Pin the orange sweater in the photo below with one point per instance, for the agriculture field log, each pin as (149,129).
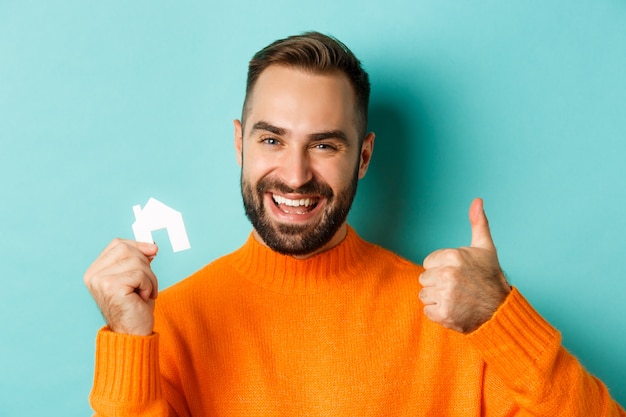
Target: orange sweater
(256,333)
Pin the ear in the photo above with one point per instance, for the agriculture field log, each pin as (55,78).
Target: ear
(238,141)
(366,153)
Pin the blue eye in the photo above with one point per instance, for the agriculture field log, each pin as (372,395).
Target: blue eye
(270,141)
(324,146)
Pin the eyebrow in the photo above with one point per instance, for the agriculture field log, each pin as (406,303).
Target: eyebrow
(329,134)
(269,128)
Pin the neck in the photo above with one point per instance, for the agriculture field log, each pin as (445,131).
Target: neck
(334,241)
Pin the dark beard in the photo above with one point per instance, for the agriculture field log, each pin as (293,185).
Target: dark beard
(298,239)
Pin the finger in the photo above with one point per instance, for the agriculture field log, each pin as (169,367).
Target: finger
(481,234)
(147,287)
(127,283)
(427,279)
(427,296)
(147,249)
(435,259)
(432,313)
(443,258)
(139,269)
(120,249)
(130,271)
(429,261)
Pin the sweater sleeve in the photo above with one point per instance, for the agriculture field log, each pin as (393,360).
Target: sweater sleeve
(126,379)
(525,352)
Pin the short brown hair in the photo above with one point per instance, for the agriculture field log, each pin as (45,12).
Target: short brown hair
(318,53)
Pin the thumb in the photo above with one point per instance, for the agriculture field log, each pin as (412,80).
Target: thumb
(148,249)
(481,234)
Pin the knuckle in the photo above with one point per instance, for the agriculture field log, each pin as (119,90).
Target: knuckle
(448,275)
(429,260)
(452,256)
(138,276)
(108,284)
(434,258)
(119,247)
(87,279)
(131,262)
(116,246)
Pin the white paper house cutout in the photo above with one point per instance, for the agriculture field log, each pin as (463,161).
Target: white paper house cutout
(155,216)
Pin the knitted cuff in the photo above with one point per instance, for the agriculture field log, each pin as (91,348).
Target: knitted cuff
(127,368)
(517,341)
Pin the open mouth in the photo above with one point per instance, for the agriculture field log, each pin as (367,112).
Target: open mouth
(295,206)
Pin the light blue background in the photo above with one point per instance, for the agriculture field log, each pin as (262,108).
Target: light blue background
(104,104)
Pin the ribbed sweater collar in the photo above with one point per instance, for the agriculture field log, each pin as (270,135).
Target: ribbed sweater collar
(286,274)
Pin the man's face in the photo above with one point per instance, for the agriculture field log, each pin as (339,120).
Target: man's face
(300,158)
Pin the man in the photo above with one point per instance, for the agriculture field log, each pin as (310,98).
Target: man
(308,319)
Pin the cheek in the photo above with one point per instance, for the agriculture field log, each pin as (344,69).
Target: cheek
(255,166)
(338,176)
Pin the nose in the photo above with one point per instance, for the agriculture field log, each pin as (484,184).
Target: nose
(295,168)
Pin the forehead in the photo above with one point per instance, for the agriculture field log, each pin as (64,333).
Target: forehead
(302,101)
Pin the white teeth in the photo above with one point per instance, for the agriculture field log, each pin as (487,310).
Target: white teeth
(306,202)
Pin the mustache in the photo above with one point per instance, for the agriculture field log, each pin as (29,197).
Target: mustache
(311,187)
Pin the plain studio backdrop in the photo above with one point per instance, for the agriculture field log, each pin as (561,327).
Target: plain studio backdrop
(104,104)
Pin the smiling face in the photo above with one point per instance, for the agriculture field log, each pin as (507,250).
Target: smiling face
(301,159)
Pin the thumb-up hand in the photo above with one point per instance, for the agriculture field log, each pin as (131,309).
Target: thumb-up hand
(462,288)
